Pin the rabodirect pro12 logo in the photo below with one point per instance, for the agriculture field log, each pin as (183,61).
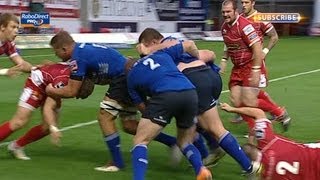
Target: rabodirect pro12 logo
(35,20)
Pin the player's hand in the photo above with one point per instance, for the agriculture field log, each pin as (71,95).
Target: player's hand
(255,78)
(226,107)
(15,71)
(55,138)
(49,89)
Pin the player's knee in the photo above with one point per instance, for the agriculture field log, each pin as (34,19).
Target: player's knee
(130,126)
(141,139)
(18,123)
(111,107)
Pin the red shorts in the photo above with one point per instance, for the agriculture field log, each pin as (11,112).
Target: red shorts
(240,76)
(32,96)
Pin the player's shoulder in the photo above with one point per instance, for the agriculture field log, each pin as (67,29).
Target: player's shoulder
(243,21)
(7,44)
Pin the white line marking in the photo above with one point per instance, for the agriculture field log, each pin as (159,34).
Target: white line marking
(95,121)
(38,55)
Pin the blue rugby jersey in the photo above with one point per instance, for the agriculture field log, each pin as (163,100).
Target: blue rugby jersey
(187,58)
(157,73)
(96,61)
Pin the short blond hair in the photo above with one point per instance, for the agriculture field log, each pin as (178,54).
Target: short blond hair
(5,18)
(61,39)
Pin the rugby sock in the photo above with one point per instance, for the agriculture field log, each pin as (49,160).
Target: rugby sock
(193,156)
(166,139)
(250,121)
(5,130)
(200,145)
(211,142)
(230,145)
(32,135)
(113,143)
(139,159)
(267,104)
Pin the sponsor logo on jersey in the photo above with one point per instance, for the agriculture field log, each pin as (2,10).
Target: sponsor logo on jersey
(248,29)
(252,36)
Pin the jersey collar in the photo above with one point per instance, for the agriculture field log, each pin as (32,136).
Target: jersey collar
(254,13)
(235,21)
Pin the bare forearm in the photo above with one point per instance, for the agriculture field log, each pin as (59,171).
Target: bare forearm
(206,55)
(61,93)
(257,54)
(272,42)
(50,116)
(252,112)
(50,111)
(191,48)
(273,38)
(26,66)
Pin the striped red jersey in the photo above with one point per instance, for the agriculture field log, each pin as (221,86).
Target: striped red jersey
(261,27)
(238,38)
(8,48)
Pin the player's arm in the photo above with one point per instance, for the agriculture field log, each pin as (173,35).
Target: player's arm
(249,111)
(142,49)
(256,64)
(224,60)
(206,55)
(24,65)
(69,91)
(191,48)
(273,39)
(137,98)
(50,115)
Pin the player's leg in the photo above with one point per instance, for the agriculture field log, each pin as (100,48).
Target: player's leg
(235,99)
(146,131)
(129,120)
(215,151)
(129,123)
(207,83)
(34,134)
(211,122)
(184,140)
(109,110)
(263,101)
(280,114)
(112,104)
(249,98)
(19,120)
(184,107)
(200,145)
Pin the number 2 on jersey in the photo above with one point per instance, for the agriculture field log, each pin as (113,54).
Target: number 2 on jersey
(283,166)
(151,63)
